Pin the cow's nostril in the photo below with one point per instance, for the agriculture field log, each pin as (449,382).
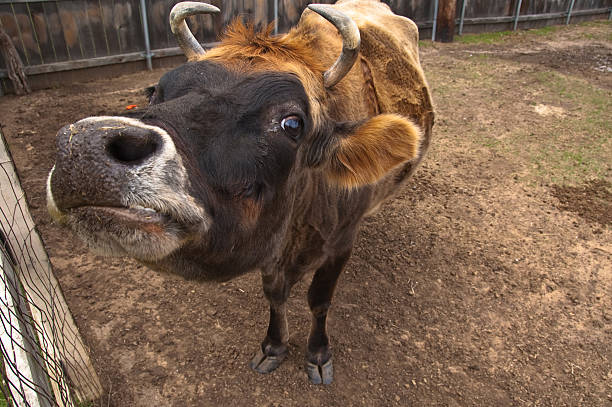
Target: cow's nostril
(132,147)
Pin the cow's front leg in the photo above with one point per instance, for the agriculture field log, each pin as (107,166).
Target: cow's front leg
(274,346)
(318,357)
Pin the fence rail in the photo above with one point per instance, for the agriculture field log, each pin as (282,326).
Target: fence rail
(58,35)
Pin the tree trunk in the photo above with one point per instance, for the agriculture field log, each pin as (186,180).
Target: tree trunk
(447,11)
(13,64)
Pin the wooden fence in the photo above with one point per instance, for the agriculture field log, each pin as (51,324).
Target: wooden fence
(58,35)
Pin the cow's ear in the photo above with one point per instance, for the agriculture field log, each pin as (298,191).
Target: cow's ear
(363,153)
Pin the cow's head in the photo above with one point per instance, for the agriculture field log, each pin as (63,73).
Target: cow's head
(204,180)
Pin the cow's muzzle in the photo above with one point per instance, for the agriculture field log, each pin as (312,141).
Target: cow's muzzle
(121,185)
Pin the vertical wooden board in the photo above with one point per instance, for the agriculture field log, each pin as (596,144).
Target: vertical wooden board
(546,6)
(228,11)
(217,20)
(289,12)
(263,12)
(591,4)
(56,35)
(206,32)
(159,26)
(43,32)
(95,26)
(26,35)
(133,31)
(119,20)
(10,26)
(209,34)
(69,21)
(248,12)
(447,11)
(487,8)
(104,19)
(124,24)
(418,11)
(108,17)
(256,13)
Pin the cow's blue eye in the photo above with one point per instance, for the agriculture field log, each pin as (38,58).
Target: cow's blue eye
(291,123)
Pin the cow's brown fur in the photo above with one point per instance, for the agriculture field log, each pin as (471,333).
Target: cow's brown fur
(387,79)
(387,94)
(355,144)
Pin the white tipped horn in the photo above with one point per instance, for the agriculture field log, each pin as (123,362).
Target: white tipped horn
(188,43)
(351,40)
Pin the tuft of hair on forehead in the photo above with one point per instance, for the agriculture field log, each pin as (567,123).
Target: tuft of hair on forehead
(242,41)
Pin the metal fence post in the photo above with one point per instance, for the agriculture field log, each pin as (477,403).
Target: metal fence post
(569,12)
(462,17)
(435,21)
(275,17)
(145,28)
(517,14)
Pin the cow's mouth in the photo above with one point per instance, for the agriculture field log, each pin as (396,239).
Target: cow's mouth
(137,217)
(140,232)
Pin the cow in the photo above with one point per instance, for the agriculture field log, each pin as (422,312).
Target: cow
(262,154)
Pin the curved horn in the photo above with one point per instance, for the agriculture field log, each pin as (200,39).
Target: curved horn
(351,40)
(190,46)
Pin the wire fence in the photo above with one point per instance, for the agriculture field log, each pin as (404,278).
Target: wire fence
(44,361)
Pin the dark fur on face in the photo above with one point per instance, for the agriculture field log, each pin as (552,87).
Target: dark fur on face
(228,128)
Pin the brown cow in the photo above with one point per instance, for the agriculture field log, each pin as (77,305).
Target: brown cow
(256,156)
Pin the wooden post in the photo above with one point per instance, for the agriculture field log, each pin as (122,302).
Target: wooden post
(445,30)
(13,64)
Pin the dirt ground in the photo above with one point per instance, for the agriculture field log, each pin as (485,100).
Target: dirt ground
(487,281)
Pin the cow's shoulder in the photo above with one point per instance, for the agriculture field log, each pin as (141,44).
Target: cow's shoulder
(376,18)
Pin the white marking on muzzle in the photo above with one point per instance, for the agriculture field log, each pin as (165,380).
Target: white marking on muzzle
(54,211)
(161,182)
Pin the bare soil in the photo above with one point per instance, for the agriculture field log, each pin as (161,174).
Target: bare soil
(487,281)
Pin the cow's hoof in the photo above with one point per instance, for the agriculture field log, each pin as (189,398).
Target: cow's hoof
(263,363)
(320,373)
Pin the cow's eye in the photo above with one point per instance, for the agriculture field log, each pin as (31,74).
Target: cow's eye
(291,122)
(292,125)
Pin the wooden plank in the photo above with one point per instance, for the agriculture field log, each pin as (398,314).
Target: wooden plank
(447,13)
(533,17)
(45,41)
(30,1)
(68,17)
(55,30)
(101,61)
(92,28)
(15,69)
(43,291)
(14,23)
(262,12)
(159,27)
